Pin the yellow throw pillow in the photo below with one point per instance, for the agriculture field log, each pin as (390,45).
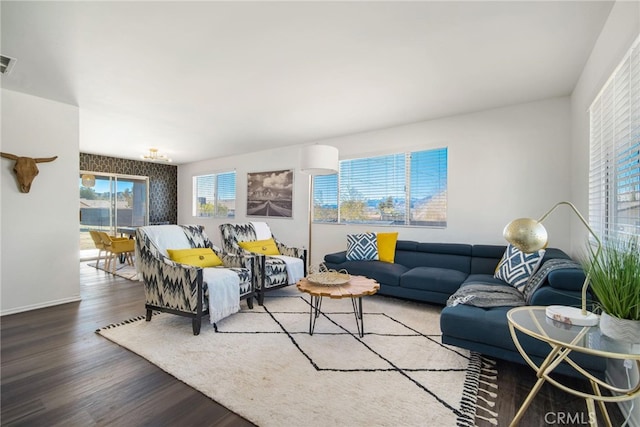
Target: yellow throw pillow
(198,257)
(387,246)
(266,247)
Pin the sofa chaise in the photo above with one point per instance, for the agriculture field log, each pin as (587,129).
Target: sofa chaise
(432,272)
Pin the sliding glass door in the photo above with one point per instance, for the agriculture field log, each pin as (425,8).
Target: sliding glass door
(113,203)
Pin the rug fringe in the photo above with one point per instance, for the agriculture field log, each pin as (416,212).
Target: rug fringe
(490,412)
(480,371)
(124,322)
(488,376)
(490,393)
(489,384)
(493,421)
(488,402)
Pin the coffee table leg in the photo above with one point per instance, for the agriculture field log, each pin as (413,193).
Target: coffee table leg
(357,311)
(314,312)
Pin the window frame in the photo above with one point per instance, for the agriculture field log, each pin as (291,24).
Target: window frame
(214,200)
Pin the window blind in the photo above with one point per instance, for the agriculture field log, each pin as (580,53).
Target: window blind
(325,198)
(428,187)
(614,167)
(214,195)
(226,195)
(372,190)
(395,189)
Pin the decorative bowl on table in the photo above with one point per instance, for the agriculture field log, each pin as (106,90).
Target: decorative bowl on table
(329,278)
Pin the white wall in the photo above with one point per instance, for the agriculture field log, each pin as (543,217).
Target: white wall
(503,164)
(620,30)
(39,255)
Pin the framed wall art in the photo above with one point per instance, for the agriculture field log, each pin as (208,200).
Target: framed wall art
(270,194)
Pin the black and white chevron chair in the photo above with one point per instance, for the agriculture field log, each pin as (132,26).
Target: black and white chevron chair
(272,271)
(178,288)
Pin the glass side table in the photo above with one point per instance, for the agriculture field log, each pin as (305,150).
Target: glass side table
(563,339)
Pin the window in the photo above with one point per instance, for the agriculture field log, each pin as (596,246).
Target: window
(396,189)
(614,170)
(215,195)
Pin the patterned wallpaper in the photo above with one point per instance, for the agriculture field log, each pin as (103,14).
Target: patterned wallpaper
(163,182)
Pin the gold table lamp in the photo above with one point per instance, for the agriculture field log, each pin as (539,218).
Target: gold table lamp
(529,235)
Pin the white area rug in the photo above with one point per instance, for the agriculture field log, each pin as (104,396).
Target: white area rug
(264,365)
(122,269)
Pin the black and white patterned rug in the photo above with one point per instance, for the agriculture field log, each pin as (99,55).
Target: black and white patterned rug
(264,365)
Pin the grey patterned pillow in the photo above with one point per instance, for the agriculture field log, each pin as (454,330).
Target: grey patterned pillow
(516,267)
(362,247)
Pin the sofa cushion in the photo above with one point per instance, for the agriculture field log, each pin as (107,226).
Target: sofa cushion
(440,255)
(490,327)
(570,279)
(516,266)
(362,247)
(477,324)
(336,258)
(382,272)
(487,279)
(485,258)
(433,279)
(547,295)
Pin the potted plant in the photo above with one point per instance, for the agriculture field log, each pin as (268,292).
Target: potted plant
(615,281)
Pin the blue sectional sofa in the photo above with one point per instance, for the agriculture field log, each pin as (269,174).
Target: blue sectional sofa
(432,272)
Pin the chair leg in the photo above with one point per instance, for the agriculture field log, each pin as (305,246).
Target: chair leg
(261,297)
(250,302)
(149,313)
(196,323)
(99,257)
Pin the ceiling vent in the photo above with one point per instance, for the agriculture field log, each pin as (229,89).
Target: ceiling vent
(6,64)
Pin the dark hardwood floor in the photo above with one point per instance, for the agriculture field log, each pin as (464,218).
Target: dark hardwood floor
(56,371)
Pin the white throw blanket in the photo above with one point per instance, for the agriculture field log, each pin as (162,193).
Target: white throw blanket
(295,268)
(224,292)
(167,237)
(163,237)
(263,232)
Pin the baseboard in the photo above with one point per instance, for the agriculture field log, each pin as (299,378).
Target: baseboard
(40,305)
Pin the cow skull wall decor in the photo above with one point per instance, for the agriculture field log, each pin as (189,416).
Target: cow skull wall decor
(26,169)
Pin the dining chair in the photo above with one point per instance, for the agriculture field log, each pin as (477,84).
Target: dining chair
(99,244)
(115,246)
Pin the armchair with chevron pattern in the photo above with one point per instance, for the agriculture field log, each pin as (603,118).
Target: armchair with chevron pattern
(278,265)
(184,273)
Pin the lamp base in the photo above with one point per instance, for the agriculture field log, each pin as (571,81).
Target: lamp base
(571,315)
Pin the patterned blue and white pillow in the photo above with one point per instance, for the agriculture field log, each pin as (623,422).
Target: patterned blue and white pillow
(516,267)
(362,247)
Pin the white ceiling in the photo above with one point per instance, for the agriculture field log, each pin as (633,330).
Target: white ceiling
(208,79)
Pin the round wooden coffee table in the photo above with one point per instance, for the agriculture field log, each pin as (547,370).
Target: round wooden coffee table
(356,288)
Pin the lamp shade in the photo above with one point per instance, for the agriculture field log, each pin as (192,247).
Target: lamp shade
(526,234)
(319,160)
(88,180)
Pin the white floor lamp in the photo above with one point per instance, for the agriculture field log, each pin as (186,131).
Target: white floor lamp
(317,160)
